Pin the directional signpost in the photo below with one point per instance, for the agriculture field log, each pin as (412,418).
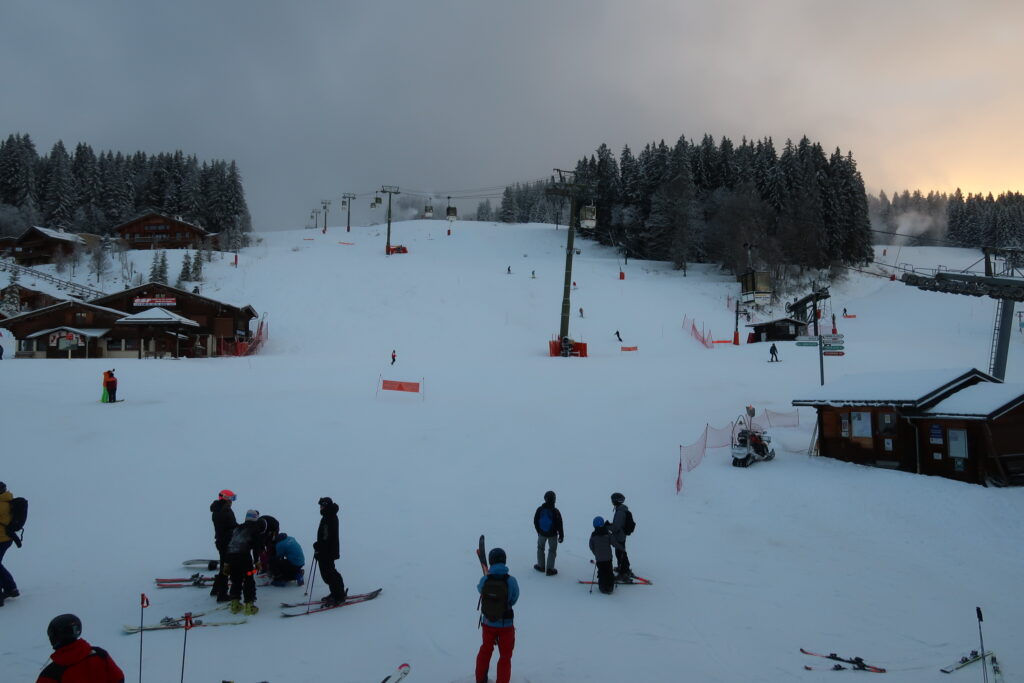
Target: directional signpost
(828,345)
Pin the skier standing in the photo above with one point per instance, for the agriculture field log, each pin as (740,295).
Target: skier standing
(601,546)
(775,354)
(394,356)
(618,336)
(499,591)
(110,386)
(547,520)
(327,549)
(243,554)
(618,536)
(224,524)
(74,659)
(8,589)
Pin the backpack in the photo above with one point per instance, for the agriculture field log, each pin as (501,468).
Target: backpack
(629,526)
(546,521)
(494,597)
(19,514)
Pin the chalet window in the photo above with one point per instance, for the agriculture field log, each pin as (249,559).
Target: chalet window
(844,425)
(861,425)
(81,317)
(156,228)
(887,424)
(958,448)
(115,344)
(131,344)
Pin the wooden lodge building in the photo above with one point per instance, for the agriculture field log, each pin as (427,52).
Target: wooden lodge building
(959,424)
(157,231)
(151,320)
(28,299)
(38,245)
(781,329)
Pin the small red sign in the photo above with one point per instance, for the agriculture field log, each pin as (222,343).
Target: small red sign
(833,353)
(70,336)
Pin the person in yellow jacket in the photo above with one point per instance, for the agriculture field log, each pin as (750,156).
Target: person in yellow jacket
(8,589)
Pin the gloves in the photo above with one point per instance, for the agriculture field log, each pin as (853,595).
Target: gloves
(561,538)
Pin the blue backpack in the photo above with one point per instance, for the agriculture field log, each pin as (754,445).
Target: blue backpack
(547,520)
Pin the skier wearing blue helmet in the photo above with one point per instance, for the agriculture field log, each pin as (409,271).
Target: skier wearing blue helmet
(601,546)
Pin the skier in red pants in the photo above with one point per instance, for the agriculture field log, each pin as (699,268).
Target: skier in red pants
(499,591)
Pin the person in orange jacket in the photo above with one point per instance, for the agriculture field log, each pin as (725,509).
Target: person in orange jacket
(110,385)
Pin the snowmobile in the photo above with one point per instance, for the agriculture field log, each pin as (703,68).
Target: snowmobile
(750,443)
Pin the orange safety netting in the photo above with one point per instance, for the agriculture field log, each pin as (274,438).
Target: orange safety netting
(392,385)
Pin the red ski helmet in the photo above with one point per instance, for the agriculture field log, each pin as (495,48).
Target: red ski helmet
(226,494)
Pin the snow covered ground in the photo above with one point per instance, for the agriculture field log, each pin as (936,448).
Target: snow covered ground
(748,565)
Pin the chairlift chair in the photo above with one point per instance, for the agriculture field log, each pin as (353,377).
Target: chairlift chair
(428,211)
(452,213)
(588,216)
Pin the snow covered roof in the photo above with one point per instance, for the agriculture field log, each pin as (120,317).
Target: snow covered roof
(915,388)
(59,234)
(68,302)
(84,331)
(156,316)
(984,400)
(779,320)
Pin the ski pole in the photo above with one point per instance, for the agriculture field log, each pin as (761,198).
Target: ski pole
(311,581)
(984,664)
(145,603)
(591,591)
(312,578)
(184,643)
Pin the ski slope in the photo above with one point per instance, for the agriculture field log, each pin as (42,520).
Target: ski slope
(748,565)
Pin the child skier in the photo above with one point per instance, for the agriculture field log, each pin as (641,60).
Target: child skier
(601,546)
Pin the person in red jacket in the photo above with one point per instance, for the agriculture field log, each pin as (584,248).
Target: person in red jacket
(110,384)
(74,660)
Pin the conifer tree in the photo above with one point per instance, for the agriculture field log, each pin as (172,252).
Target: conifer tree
(197,268)
(186,270)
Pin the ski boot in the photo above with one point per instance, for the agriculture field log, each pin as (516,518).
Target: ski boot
(236,606)
(250,609)
(300,578)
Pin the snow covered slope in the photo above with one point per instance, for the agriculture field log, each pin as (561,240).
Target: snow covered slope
(748,565)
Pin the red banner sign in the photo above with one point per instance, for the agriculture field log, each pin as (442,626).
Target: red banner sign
(629,348)
(391,385)
(155,301)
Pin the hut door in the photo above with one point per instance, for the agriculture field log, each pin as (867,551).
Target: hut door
(958,448)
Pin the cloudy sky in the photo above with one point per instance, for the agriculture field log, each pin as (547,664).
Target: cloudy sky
(317,98)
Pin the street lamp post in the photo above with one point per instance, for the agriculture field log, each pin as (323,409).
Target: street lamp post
(326,203)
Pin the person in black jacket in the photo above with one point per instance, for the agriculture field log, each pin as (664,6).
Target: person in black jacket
(547,520)
(244,550)
(326,550)
(223,524)
(601,546)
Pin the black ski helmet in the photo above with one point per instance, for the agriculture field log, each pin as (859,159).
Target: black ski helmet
(64,629)
(618,498)
(496,556)
(549,497)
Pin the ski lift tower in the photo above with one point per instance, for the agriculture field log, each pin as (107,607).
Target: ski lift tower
(390,190)
(566,186)
(1007,288)
(346,203)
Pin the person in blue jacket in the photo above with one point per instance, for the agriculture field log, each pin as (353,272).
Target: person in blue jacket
(287,563)
(499,591)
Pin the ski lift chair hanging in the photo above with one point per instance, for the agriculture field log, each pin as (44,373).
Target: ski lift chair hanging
(588,216)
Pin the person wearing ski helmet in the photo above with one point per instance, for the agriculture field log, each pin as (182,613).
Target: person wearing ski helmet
(74,660)
(244,548)
(618,533)
(498,628)
(224,524)
(547,521)
(601,546)
(327,549)
(287,561)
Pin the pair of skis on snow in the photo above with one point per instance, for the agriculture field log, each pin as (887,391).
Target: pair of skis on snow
(974,656)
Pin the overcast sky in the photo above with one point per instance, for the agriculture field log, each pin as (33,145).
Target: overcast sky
(314,99)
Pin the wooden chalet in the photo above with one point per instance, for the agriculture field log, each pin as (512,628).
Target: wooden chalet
(69,329)
(781,329)
(38,245)
(29,299)
(219,330)
(7,245)
(959,424)
(157,231)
